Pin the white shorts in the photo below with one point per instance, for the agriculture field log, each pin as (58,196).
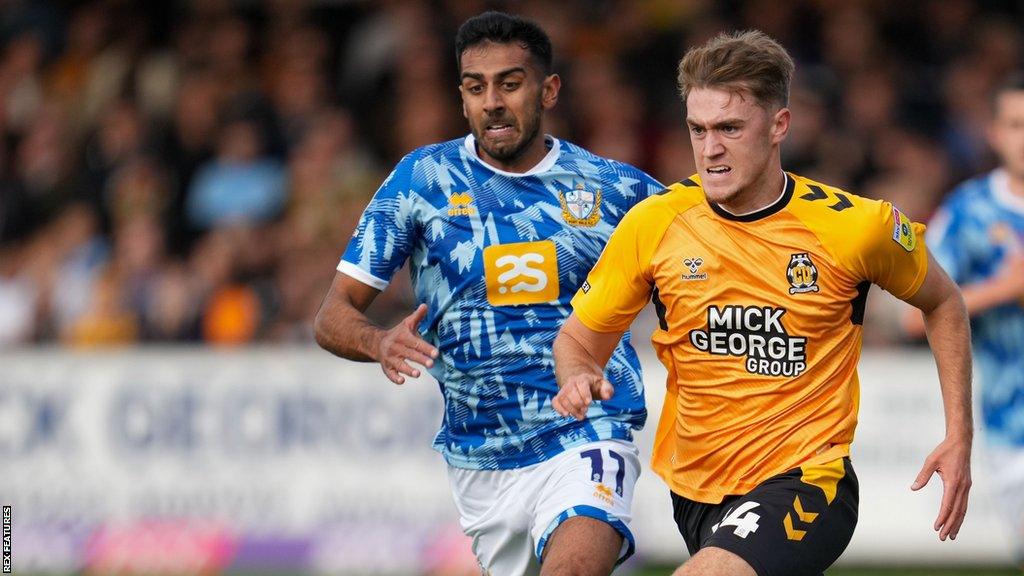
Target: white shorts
(1005,466)
(510,514)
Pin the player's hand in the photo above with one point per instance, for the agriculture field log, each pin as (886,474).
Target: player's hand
(952,461)
(401,345)
(577,392)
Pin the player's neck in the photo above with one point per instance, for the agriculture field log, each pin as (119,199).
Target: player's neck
(761,194)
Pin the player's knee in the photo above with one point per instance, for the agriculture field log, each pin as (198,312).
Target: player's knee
(715,562)
(582,546)
(578,566)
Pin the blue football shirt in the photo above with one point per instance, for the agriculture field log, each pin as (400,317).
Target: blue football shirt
(975,229)
(497,257)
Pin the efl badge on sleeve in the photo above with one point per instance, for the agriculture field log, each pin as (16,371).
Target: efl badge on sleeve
(802,274)
(902,231)
(581,207)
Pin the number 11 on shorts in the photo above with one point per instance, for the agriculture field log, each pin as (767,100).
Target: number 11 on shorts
(597,466)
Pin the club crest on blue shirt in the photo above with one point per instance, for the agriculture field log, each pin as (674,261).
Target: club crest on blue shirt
(581,207)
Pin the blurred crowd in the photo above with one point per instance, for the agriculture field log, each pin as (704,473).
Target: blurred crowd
(192,171)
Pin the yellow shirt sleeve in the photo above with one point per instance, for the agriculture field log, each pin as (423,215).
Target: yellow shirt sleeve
(620,284)
(894,255)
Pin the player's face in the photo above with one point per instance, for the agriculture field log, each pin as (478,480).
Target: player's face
(1007,132)
(735,140)
(504,95)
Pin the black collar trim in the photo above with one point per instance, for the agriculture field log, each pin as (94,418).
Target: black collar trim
(765,212)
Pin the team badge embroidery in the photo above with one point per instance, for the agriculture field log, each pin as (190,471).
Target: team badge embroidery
(902,232)
(694,265)
(581,207)
(802,274)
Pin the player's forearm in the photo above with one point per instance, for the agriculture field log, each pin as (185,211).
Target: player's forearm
(572,358)
(346,332)
(949,335)
(988,294)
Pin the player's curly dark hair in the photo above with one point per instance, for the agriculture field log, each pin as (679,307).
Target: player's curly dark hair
(503,29)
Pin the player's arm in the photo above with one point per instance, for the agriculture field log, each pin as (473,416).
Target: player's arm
(343,329)
(616,290)
(948,330)
(580,357)
(1005,287)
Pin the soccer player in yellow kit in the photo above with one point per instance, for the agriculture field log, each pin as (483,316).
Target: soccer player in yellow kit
(759,278)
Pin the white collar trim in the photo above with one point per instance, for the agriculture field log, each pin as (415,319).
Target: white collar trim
(1000,182)
(785,184)
(543,166)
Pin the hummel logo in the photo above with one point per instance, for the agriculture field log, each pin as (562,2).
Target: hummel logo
(694,264)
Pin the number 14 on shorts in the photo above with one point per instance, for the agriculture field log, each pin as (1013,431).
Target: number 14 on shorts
(742,518)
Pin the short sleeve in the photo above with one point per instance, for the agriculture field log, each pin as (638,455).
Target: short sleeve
(895,256)
(620,284)
(386,232)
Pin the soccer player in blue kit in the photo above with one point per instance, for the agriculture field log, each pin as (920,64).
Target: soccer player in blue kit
(500,229)
(978,237)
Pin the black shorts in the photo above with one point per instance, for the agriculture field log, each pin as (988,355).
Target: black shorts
(793,524)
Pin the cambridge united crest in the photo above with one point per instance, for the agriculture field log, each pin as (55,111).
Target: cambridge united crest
(802,274)
(581,207)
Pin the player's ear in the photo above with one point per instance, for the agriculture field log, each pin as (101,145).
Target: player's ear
(780,125)
(549,96)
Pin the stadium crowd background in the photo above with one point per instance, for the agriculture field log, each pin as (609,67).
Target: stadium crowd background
(192,171)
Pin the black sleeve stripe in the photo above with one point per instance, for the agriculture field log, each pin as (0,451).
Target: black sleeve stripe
(858,303)
(659,308)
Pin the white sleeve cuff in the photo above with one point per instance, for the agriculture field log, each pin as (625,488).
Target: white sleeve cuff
(349,269)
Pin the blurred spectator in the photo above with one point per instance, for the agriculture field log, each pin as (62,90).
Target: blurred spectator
(20,83)
(77,256)
(241,185)
(172,312)
(18,295)
(105,320)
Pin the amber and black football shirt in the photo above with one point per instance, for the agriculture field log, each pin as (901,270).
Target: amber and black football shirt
(759,323)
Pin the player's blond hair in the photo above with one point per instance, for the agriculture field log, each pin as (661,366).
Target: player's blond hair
(748,61)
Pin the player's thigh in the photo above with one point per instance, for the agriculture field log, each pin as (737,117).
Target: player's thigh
(793,524)
(713,561)
(582,546)
(594,481)
(1004,467)
(493,508)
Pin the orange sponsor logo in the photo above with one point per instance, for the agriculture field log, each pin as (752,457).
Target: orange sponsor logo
(521,273)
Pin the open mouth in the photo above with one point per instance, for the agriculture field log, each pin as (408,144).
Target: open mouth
(718,170)
(499,129)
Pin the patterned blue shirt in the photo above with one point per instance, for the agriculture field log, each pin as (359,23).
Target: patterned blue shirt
(973,232)
(497,257)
